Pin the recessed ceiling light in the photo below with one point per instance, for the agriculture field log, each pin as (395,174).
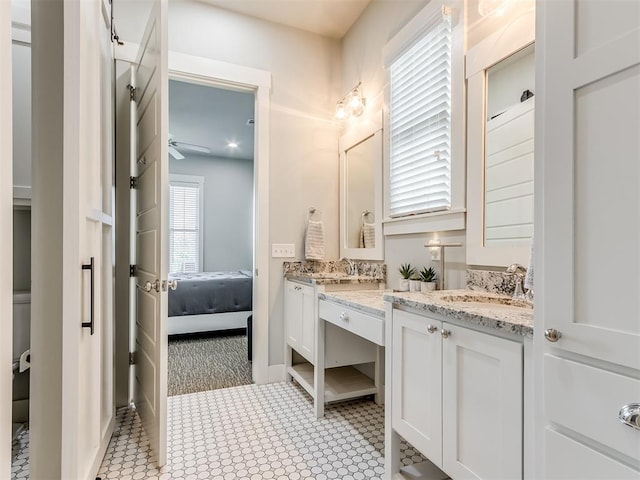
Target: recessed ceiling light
(232,145)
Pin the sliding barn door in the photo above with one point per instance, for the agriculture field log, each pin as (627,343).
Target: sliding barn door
(6,237)
(151,238)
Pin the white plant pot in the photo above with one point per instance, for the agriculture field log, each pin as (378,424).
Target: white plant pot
(414,285)
(426,287)
(403,285)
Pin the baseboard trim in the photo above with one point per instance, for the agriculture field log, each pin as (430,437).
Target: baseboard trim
(277,373)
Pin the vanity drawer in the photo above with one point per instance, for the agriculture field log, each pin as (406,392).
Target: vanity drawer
(361,324)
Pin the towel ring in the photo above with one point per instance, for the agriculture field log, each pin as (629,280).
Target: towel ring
(365,214)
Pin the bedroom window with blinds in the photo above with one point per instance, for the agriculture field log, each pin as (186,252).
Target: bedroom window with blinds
(420,122)
(185,223)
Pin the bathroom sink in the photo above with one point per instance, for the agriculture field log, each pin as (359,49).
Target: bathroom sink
(487,300)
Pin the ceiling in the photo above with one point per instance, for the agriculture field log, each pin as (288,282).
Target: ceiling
(211,117)
(330,18)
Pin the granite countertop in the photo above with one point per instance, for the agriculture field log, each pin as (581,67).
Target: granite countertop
(330,278)
(365,301)
(484,309)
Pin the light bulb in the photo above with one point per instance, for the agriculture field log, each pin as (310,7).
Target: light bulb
(356,104)
(341,112)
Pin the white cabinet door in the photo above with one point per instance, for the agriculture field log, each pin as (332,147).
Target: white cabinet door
(417,382)
(481,405)
(588,102)
(299,312)
(292,311)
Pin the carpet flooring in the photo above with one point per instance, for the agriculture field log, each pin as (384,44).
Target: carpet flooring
(207,362)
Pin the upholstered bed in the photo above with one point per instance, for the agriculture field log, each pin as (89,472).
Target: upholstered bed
(209,301)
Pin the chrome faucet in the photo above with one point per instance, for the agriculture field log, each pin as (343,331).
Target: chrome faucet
(517,270)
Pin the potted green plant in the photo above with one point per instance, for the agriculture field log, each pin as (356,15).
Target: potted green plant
(406,271)
(428,279)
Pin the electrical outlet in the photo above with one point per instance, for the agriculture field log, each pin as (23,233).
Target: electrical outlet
(283,250)
(435,254)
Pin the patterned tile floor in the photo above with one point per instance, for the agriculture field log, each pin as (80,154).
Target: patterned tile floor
(20,456)
(255,432)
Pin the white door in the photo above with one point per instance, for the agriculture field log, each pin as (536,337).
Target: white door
(588,229)
(152,193)
(95,408)
(6,238)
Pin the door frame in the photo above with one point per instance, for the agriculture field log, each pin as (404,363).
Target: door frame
(206,71)
(214,73)
(6,238)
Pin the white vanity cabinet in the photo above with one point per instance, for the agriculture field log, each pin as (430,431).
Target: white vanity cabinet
(457,396)
(299,314)
(334,337)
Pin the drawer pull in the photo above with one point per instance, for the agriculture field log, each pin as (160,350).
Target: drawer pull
(445,333)
(630,415)
(344,316)
(431,328)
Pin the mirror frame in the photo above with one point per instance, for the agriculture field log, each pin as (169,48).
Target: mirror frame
(496,47)
(365,128)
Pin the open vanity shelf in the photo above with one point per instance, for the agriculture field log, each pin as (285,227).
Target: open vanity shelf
(325,341)
(340,383)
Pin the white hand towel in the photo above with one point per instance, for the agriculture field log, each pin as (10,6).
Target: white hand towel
(314,241)
(528,279)
(369,234)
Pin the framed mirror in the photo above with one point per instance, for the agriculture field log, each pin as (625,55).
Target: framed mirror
(361,190)
(500,139)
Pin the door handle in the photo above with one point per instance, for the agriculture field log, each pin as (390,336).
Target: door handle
(172,284)
(91,267)
(148,286)
(630,415)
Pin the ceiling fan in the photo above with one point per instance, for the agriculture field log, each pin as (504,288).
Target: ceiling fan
(174,145)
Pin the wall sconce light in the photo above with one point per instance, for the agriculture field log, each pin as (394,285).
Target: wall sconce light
(492,7)
(352,104)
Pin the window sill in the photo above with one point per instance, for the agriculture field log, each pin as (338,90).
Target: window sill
(450,220)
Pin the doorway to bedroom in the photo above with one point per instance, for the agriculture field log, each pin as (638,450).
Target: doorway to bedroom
(211,236)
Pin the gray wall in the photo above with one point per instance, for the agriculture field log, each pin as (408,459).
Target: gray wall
(228,209)
(21,249)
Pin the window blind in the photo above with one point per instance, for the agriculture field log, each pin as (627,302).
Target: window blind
(184,227)
(420,123)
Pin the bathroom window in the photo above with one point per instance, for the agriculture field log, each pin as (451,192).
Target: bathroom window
(426,117)
(185,223)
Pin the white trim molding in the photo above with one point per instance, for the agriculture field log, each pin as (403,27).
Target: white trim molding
(213,72)
(453,218)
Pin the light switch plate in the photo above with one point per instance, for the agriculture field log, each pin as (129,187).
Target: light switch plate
(283,250)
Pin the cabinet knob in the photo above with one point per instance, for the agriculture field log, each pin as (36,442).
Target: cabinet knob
(445,333)
(552,335)
(344,316)
(630,415)
(431,328)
